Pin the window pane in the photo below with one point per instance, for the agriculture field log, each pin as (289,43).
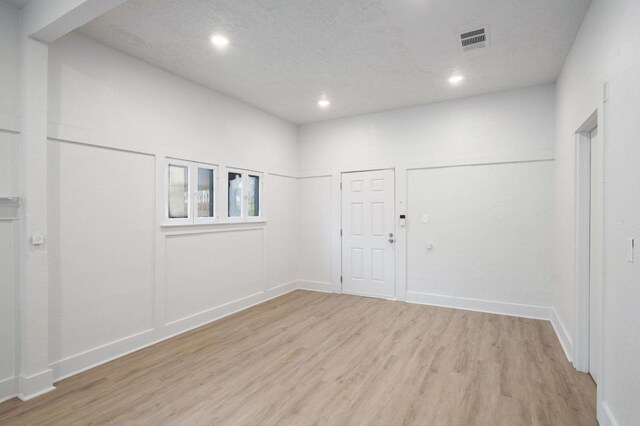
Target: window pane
(253,195)
(235,194)
(178,191)
(205,193)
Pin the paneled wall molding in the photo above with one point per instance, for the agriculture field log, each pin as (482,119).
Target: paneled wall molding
(105,353)
(121,142)
(215,313)
(435,163)
(401,190)
(68,134)
(9,123)
(85,137)
(290,176)
(217,303)
(107,147)
(88,359)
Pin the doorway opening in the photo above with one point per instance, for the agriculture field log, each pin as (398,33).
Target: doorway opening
(589,246)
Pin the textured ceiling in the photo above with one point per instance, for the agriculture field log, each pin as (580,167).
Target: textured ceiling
(365,55)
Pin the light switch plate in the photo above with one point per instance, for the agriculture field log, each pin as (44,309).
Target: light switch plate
(424,218)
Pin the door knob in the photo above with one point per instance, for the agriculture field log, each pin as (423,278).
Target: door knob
(391,240)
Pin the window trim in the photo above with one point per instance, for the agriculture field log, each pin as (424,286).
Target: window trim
(216,216)
(192,188)
(244,215)
(260,181)
(243,209)
(172,162)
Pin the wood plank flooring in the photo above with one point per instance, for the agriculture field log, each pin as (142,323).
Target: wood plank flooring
(312,358)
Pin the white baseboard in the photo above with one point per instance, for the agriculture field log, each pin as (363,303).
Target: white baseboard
(8,388)
(320,286)
(94,357)
(605,416)
(100,355)
(478,305)
(563,335)
(35,385)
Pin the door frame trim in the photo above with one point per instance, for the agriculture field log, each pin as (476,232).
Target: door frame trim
(395,231)
(582,242)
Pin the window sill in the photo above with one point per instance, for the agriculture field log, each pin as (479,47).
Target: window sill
(213,224)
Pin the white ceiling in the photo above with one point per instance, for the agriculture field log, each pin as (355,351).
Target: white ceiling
(365,55)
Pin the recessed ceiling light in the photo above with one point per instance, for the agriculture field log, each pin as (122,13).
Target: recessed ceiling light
(456,79)
(219,40)
(324,103)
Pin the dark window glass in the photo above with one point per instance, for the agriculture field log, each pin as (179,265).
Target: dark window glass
(205,194)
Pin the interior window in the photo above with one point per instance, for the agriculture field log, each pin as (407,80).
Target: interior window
(253,196)
(235,194)
(178,192)
(205,196)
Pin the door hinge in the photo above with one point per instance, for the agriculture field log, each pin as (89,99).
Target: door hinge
(341,232)
(340,279)
(340,186)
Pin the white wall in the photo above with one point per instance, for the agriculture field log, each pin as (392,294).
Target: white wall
(9,187)
(489,228)
(8,367)
(605,50)
(9,155)
(509,125)
(314,255)
(283,206)
(101,246)
(118,279)
(9,66)
(498,150)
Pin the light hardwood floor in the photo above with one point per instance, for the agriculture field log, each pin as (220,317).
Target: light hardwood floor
(313,358)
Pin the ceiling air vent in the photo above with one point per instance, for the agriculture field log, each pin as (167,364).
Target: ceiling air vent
(473,39)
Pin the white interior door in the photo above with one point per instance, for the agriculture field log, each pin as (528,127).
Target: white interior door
(595,254)
(368,233)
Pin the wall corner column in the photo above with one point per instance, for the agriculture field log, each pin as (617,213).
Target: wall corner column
(36,377)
